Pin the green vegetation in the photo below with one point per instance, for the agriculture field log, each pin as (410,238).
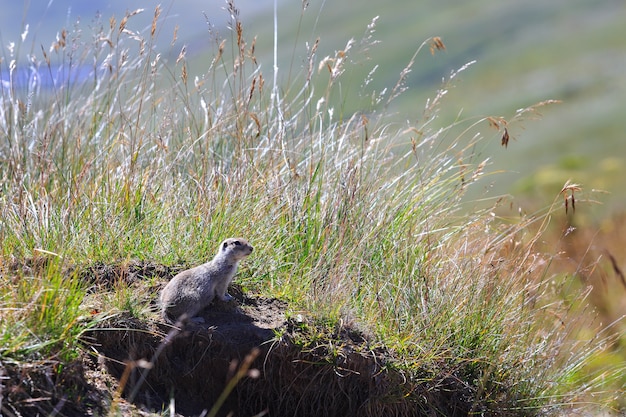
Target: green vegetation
(353,217)
(524,52)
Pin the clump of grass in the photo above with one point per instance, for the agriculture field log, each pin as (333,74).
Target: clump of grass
(40,311)
(352,216)
(590,254)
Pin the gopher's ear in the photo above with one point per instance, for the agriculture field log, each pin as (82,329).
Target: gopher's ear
(225,245)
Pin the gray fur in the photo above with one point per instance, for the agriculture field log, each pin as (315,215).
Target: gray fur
(193,289)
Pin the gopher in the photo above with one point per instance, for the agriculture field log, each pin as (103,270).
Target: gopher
(193,289)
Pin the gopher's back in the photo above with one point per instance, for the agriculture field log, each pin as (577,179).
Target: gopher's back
(185,292)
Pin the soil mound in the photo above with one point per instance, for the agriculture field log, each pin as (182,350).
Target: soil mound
(246,359)
(191,368)
(158,365)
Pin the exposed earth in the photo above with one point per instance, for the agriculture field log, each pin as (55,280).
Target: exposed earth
(247,359)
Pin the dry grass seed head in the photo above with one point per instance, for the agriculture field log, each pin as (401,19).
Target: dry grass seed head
(496,122)
(157,13)
(571,189)
(505,138)
(436,44)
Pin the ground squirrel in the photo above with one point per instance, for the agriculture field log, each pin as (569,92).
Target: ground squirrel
(193,289)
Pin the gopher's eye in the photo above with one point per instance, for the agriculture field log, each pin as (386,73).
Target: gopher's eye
(237,243)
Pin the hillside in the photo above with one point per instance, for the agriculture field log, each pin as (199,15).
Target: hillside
(525,51)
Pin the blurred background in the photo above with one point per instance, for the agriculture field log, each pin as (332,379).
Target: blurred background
(525,52)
